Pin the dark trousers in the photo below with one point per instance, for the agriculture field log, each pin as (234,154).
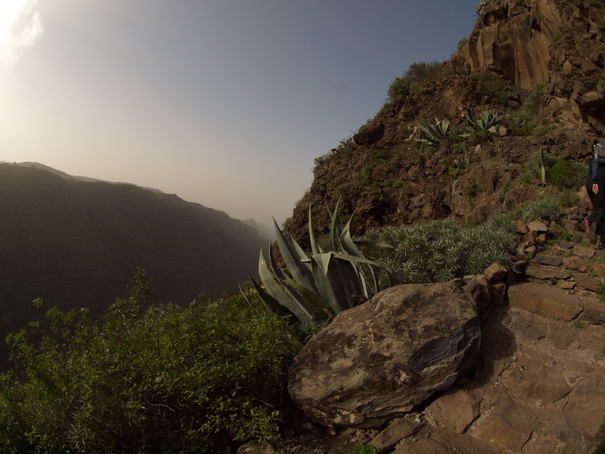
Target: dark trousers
(598,202)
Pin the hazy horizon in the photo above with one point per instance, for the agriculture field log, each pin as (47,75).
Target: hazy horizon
(225,103)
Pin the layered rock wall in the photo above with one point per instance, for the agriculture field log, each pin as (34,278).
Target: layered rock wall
(514,38)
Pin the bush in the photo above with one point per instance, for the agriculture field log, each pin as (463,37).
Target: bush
(166,379)
(544,209)
(535,162)
(440,251)
(420,74)
(399,90)
(567,175)
(569,198)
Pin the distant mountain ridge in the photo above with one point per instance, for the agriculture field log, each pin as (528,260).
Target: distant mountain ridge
(74,243)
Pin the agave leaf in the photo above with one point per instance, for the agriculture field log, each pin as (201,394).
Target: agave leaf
(296,291)
(315,249)
(346,281)
(320,311)
(291,253)
(334,230)
(323,260)
(277,271)
(333,296)
(272,302)
(347,241)
(286,299)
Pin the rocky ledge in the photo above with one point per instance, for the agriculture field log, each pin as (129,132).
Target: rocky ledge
(519,366)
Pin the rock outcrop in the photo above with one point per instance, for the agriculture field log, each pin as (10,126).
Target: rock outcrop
(514,39)
(378,360)
(536,384)
(558,44)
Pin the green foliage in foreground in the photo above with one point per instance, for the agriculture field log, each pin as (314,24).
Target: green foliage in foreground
(165,379)
(439,251)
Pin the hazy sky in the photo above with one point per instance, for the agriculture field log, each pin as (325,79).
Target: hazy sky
(224,102)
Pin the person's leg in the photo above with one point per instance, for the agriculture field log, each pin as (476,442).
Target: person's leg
(599,213)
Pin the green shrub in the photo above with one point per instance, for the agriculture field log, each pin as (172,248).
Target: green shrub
(422,73)
(544,209)
(439,250)
(399,90)
(494,89)
(165,379)
(567,175)
(535,162)
(569,198)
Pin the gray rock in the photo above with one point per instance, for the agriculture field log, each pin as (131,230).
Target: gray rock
(378,360)
(546,272)
(548,260)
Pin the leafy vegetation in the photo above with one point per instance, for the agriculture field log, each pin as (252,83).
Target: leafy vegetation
(439,251)
(164,379)
(399,90)
(363,449)
(567,175)
(314,288)
(435,133)
(422,73)
(481,128)
(476,129)
(547,209)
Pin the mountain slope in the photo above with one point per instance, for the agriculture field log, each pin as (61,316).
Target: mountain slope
(539,65)
(74,243)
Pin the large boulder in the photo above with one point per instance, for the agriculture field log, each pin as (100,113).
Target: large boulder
(378,360)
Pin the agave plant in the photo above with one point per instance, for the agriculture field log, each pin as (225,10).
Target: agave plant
(315,287)
(434,133)
(483,126)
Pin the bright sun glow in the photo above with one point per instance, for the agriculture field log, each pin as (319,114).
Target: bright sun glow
(20,28)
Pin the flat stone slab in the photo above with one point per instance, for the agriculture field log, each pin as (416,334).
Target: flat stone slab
(543,272)
(455,410)
(548,260)
(545,300)
(588,282)
(584,252)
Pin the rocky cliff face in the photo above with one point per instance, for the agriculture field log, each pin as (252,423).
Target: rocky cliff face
(514,38)
(559,44)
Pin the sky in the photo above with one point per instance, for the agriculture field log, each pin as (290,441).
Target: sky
(225,103)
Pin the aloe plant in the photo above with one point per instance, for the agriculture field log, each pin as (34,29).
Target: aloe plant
(315,287)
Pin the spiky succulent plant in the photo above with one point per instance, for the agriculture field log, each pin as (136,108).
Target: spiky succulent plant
(314,287)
